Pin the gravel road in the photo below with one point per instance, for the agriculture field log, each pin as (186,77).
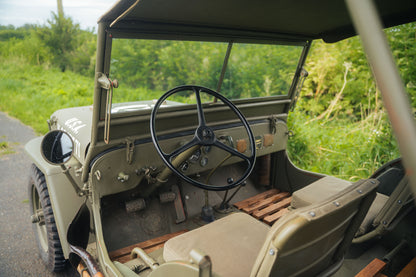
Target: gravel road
(18,249)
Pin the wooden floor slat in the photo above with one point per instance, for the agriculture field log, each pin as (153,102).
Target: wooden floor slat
(252,200)
(268,206)
(266,202)
(372,269)
(273,208)
(123,255)
(270,219)
(409,270)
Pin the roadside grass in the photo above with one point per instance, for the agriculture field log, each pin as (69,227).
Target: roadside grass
(5,148)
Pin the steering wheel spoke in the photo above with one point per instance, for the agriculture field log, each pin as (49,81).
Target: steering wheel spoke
(181,149)
(201,116)
(232,151)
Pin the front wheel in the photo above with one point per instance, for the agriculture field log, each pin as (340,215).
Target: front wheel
(46,233)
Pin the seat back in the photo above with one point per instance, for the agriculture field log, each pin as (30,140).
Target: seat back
(313,240)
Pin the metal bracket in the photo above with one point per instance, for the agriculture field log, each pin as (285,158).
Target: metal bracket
(52,122)
(129,150)
(227,139)
(273,123)
(203,261)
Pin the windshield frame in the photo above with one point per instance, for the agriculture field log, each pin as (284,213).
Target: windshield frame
(122,34)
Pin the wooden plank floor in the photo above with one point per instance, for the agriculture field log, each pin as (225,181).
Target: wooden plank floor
(409,270)
(268,206)
(373,269)
(123,255)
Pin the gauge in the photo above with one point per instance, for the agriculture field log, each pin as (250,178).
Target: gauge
(206,149)
(195,156)
(184,166)
(204,161)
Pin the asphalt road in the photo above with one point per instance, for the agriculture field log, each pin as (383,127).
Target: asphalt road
(18,249)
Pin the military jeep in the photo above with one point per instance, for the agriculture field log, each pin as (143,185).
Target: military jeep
(197,181)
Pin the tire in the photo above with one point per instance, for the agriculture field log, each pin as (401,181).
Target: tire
(46,233)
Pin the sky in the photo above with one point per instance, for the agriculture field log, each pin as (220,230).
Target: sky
(84,12)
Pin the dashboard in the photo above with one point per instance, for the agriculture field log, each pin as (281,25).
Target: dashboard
(124,168)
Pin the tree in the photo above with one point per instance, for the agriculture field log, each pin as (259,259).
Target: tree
(61,39)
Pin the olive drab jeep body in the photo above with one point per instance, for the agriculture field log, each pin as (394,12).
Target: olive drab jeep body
(196,181)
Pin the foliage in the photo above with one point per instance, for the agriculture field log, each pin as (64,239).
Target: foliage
(60,38)
(32,94)
(339,125)
(253,70)
(348,150)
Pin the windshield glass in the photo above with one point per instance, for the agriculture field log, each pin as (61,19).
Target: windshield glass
(148,68)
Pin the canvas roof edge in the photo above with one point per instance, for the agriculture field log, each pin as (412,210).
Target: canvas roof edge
(282,20)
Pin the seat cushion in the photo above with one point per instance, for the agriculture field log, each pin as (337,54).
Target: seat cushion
(232,243)
(318,191)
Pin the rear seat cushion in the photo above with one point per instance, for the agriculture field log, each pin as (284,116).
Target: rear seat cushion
(318,191)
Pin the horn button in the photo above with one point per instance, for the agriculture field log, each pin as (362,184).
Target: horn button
(205,135)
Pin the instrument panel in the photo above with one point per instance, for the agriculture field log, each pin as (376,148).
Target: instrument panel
(114,172)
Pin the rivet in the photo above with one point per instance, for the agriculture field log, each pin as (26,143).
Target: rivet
(400,202)
(385,222)
(312,214)
(372,181)
(360,191)
(336,204)
(271,252)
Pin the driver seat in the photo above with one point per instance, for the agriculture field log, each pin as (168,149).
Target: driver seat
(304,242)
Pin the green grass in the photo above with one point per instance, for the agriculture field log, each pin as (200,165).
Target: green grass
(5,148)
(32,93)
(340,147)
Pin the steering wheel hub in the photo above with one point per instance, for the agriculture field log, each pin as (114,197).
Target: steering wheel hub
(206,135)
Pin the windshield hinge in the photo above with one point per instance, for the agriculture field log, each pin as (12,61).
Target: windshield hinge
(303,75)
(129,150)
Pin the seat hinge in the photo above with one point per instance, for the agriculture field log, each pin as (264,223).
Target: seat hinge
(129,150)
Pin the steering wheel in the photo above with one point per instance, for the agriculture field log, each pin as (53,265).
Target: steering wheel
(204,136)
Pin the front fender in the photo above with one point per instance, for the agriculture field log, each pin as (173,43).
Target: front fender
(65,202)
(32,149)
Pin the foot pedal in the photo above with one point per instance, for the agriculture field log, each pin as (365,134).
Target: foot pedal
(135,205)
(180,212)
(167,197)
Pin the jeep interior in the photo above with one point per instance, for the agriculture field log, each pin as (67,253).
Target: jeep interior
(197,181)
